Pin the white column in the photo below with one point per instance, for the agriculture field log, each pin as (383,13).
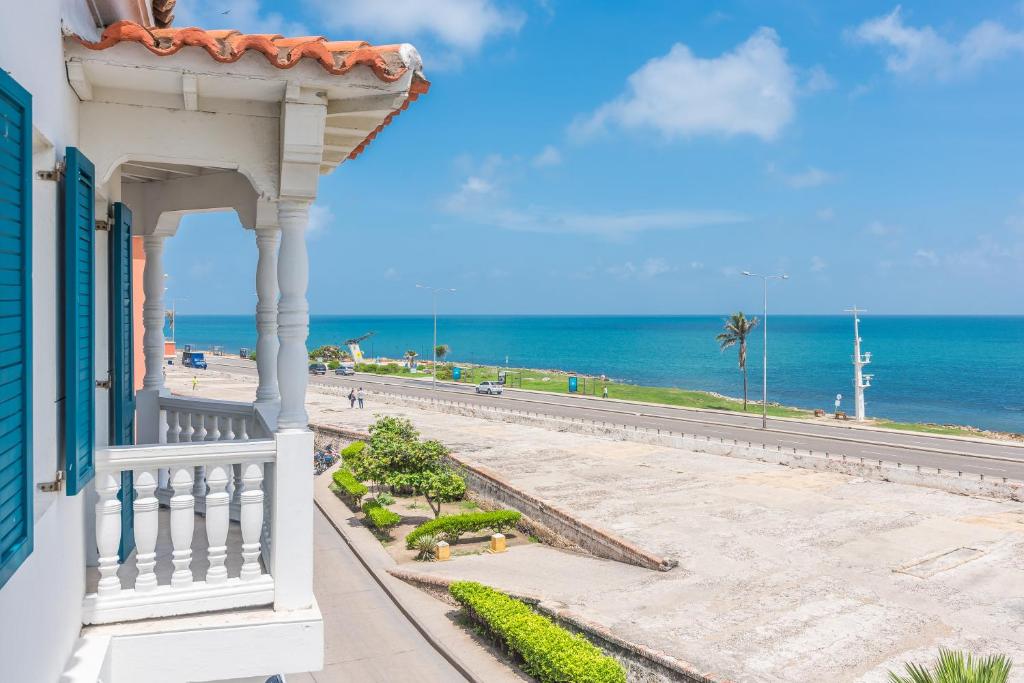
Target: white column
(291,521)
(292,314)
(153,311)
(268,240)
(147,511)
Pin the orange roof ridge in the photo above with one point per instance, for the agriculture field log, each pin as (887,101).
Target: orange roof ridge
(226,46)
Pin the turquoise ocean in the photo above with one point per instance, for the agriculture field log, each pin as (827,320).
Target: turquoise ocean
(946,369)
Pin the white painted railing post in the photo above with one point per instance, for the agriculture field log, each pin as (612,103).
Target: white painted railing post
(268,239)
(292,314)
(153,312)
(217,522)
(251,519)
(182,525)
(108,530)
(292,520)
(147,519)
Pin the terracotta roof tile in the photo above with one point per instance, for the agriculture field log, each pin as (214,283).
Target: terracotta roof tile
(336,57)
(226,46)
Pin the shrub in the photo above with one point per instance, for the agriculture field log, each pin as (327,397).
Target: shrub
(452,527)
(380,517)
(426,547)
(352,451)
(353,490)
(550,653)
(385,499)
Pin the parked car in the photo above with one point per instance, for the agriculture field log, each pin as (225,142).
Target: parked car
(344,370)
(317,369)
(193,359)
(490,388)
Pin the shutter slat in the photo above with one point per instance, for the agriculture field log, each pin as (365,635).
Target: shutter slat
(15,326)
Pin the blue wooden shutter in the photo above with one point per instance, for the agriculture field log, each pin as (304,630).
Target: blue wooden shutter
(15,326)
(122,361)
(79,336)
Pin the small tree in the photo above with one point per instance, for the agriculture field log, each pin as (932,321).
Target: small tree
(441,350)
(328,352)
(410,358)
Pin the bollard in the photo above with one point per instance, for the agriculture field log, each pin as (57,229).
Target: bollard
(498,543)
(442,552)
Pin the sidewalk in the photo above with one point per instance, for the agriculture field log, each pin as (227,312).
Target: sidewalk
(367,637)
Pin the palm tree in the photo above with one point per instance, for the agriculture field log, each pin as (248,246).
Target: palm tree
(737,328)
(441,350)
(954,666)
(410,357)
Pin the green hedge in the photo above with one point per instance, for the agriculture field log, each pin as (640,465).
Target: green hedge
(550,653)
(351,452)
(348,485)
(379,516)
(454,526)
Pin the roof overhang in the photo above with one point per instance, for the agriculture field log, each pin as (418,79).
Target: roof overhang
(363,87)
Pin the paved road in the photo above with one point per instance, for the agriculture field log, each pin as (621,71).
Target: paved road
(992,459)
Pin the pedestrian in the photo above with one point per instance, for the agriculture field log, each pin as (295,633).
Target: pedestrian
(604,392)
(360,395)
(195,383)
(351,398)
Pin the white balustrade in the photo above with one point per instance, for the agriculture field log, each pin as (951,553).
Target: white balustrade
(194,419)
(180,586)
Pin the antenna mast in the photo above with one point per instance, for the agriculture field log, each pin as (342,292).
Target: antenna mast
(860,380)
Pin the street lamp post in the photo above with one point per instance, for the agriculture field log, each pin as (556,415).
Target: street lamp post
(434,291)
(764,358)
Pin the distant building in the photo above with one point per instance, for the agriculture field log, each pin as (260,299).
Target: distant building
(147,537)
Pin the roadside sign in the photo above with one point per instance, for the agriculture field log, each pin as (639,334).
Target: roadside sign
(572,384)
(456,374)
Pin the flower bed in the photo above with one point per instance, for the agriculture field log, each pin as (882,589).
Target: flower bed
(451,527)
(549,653)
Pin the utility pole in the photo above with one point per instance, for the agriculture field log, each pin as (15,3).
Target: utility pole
(860,380)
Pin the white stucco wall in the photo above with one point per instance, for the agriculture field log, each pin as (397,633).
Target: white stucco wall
(40,606)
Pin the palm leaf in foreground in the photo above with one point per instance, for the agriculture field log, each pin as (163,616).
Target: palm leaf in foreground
(953,666)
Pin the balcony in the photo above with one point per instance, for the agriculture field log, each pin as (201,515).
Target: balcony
(204,509)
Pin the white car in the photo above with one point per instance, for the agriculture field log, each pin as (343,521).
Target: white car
(490,388)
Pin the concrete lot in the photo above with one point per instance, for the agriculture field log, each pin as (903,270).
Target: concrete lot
(784,574)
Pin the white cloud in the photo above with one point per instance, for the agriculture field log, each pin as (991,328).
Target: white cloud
(390,273)
(696,265)
(459,24)
(921,51)
(817,80)
(648,269)
(825,214)
(244,15)
(549,156)
(320,219)
(926,257)
(811,177)
(482,198)
(880,229)
(748,91)
(818,264)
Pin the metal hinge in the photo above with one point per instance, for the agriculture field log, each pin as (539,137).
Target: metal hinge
(103,224)
(56,174)
(104,383)
(56,485)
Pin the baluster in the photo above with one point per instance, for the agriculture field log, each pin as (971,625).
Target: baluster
(228,434)
(199,422)
(217,523)
(186,429)
(108,530)
(173,429)
(199,483)
(213,425)
(147,517)
(252,519)
(242,433)
(236,488)
(182,526)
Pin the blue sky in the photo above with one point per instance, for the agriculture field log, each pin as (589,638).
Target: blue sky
(611,157)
